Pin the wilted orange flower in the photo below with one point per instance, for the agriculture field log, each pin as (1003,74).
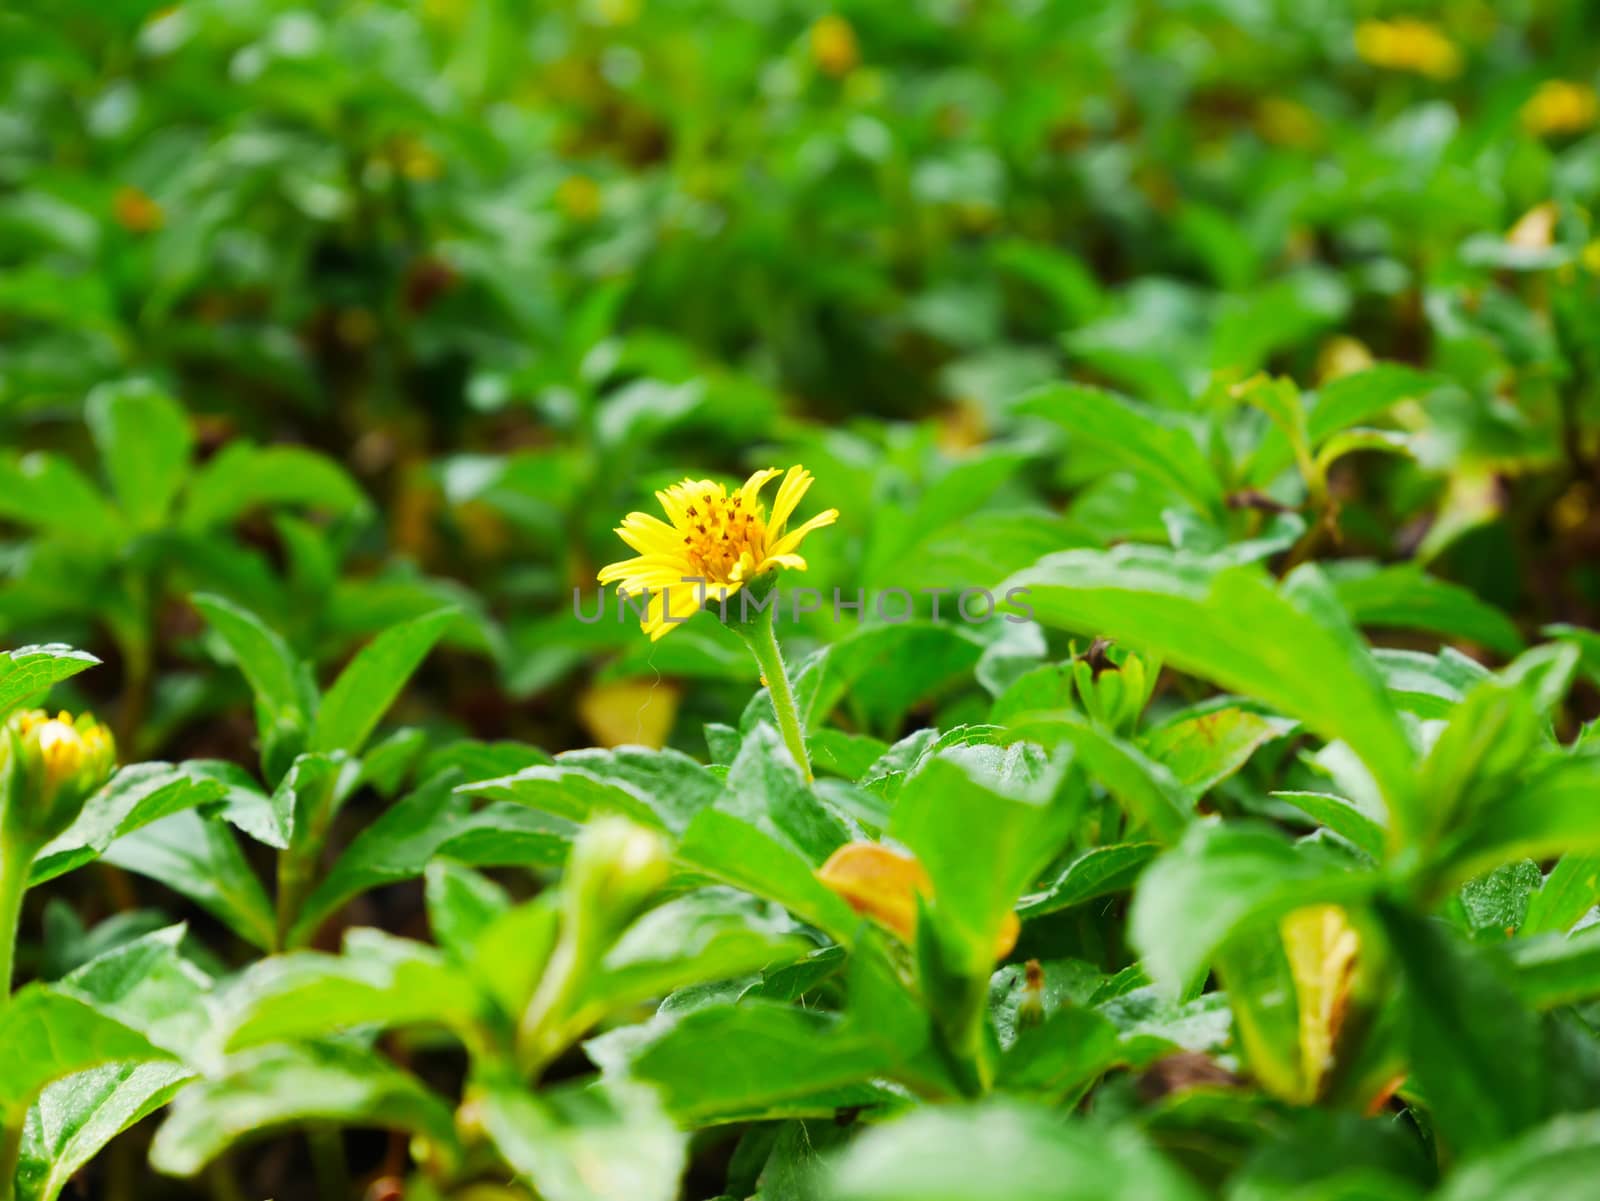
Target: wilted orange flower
(721,539)
(883,885)
(1407,44)
(1560,107)
(135,211)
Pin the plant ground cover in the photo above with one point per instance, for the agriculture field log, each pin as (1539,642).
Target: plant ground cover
(1117,485)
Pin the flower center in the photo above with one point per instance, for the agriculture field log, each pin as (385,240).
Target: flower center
(722,538)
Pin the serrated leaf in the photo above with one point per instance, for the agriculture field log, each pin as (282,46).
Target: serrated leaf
(735,1061)
(136,796)
(434,821)
(30,670)
(49,1034)
(76,1116)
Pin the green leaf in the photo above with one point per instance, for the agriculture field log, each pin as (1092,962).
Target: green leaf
(1554,969)
(692,939)
(1248,875)
(148,986)
(1001,1148)
(879,670)
(136,796)
(1202,748)
(1570,890)
(1098,872)
(462,904)
(1343,817)
(1474,1048)
(369,684)
(1405,597)
(49,1034)
(729,1062)
(378,980)
(662,789)
(144,442)
(1061,1056)
(76,1116)
(285,694)
(1548,812)
(1136,439)
(724,848)
(241,477)
(46,492)
(981,849)
(1286,645)
(434,821)
(1146,789)
(1558,1159)
(274,1087)
(600,1142)
(765,789)
(29,671)
(1347,401)
(200,859)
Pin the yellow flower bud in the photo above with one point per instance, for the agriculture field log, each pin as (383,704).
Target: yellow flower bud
(49,766)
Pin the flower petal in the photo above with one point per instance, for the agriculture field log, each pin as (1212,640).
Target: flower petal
(795,485)
(793,538)
(750,494)
(649,535)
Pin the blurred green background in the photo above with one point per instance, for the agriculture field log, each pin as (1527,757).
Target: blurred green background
(446,288)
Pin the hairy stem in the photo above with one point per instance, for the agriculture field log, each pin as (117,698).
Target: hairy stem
(763,642)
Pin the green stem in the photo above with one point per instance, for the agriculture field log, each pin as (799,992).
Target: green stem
(763,643)
(328,1162)
(10,1154)
(16,861)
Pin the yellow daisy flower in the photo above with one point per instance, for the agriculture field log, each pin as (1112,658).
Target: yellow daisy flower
(725,540)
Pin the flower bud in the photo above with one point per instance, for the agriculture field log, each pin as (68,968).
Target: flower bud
(48,767)
(614,868)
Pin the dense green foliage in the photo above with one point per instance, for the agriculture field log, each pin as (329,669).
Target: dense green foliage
(1251,348)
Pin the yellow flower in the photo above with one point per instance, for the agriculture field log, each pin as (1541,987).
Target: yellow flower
(717,543)
(1408,44)
(1560,107)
